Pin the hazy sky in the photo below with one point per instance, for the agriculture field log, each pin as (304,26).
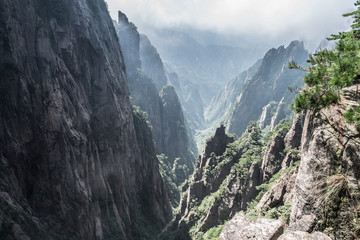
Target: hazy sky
(309,20)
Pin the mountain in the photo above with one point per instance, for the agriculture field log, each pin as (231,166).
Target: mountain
(197,65)
(209,63)
(298,181)
(258,94)
(269,84)
(149,91)
(151,63)
(77,161)
(222,105)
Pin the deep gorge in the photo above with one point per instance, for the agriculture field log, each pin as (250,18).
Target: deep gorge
(103,135)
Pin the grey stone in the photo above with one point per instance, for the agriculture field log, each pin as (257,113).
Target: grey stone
(239,227)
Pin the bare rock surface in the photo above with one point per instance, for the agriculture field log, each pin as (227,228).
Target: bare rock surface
(326,188)
(239,227)
(72,152)
(299,235)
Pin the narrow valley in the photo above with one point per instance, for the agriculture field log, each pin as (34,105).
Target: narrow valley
(113,130)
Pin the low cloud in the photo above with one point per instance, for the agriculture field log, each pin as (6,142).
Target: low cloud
(275,19)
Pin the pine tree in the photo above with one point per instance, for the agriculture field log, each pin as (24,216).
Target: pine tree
(331,70)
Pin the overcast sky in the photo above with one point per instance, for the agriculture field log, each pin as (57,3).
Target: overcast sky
(308,20)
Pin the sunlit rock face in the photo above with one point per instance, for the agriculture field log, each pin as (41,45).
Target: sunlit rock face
(270,84)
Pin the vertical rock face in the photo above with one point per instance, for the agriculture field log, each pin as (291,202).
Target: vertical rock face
(223,183)
(130,42)
(323,191)
(221,106)
(146,78)
(175,138)
(151,63)
(327,185)
(76,161)
(270,83)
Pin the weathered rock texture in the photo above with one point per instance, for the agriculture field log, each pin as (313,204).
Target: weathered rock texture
(151,63)
(75,161)
(309,172)
(242,228)
(147,83)
(324,189)
(327,185)
(299,235)
(223,183)
(269,83)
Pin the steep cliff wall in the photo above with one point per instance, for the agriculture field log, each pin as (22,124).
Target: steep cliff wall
(327,186)
(75,161)
(269,83)
(305,182)
(221,106)
(151,63)
(321,192)
(147,82)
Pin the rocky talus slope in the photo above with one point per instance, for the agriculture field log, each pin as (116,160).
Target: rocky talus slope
(75,161)
(303,183)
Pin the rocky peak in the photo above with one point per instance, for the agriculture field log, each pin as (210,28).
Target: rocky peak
(130,43)
(269,84)
(148,90)
(218,143)
(151,63)
(122,18)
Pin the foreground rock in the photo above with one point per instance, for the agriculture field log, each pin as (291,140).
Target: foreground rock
(326,192)
(241,227)
(299,235)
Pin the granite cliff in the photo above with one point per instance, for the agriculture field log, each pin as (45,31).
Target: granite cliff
(300,180)
(149,90)
(76,161)
(269,85)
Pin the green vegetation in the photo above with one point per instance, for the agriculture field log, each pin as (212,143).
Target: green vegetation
(352,115)
(280,130)
(331,70)
(243,152)
(137,112)
(169,178)
(213,233)
(282,211)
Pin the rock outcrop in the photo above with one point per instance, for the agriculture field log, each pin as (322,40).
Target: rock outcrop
(327,186)
(223,183)
(148,90)
(299,235)
(269,83)
(75,161)
(307,177)
(322,190)
(151,63)
(242,228)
